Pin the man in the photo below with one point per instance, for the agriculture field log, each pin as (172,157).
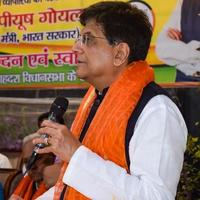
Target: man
(111,51)
(50,174)
(179,42)
(31,186)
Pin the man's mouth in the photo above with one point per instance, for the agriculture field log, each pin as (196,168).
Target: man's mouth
(80,62)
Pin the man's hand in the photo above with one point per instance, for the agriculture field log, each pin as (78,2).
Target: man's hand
(61,141)
(174,34)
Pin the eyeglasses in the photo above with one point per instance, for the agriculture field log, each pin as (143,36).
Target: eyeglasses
(87,39)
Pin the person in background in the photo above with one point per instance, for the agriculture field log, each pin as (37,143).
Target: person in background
(4,162)
(32,185)
(51,174)
(28,146)
(178,43)
(111,52)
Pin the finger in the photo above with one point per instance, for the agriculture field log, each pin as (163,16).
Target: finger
(46,139)
(170,35)
(49,141)
(39,140)
(177,34)
(174,34)
(47,149)
(47,130)
(50,124)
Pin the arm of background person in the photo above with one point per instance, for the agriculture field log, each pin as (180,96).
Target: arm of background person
(156,155)
(173,51)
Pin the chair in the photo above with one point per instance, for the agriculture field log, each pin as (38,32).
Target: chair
(9,179)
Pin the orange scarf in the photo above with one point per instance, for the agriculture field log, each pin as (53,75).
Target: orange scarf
(24,190)
(110,120)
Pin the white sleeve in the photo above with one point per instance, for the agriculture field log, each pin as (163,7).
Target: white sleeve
(4,162)
(49,194)
(156,154)
(174,52)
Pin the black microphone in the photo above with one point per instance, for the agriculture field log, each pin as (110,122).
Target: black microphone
(57,110)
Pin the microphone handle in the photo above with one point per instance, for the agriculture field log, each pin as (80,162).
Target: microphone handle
(34,155)
(51,117)
(30,162)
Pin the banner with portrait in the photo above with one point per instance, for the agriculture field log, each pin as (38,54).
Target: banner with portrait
(36,38)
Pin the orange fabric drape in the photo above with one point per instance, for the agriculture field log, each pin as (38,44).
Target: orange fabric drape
(106,134)
(24,190)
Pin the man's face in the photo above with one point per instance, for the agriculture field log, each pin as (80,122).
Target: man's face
(37,169)
(36,172)
(94,54)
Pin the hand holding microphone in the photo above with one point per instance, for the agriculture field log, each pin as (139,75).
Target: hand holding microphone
(57,110)
(62,142)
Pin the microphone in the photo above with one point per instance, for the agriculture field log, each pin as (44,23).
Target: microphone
(57,110)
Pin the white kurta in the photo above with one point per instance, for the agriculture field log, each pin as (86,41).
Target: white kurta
(156,157)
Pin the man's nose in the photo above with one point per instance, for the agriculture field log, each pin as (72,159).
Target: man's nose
(77,47)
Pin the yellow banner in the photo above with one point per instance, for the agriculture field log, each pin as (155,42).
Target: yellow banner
(36,37)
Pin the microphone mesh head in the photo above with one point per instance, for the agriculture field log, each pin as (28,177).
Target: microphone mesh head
(62,102)
(59,107)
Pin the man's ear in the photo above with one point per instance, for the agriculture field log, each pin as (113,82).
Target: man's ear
(121,53)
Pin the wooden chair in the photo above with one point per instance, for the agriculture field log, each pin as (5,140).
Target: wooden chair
(9,179)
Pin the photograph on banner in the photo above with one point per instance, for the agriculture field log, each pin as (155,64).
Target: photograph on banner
(158,14)
(178,43)
(175,48)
